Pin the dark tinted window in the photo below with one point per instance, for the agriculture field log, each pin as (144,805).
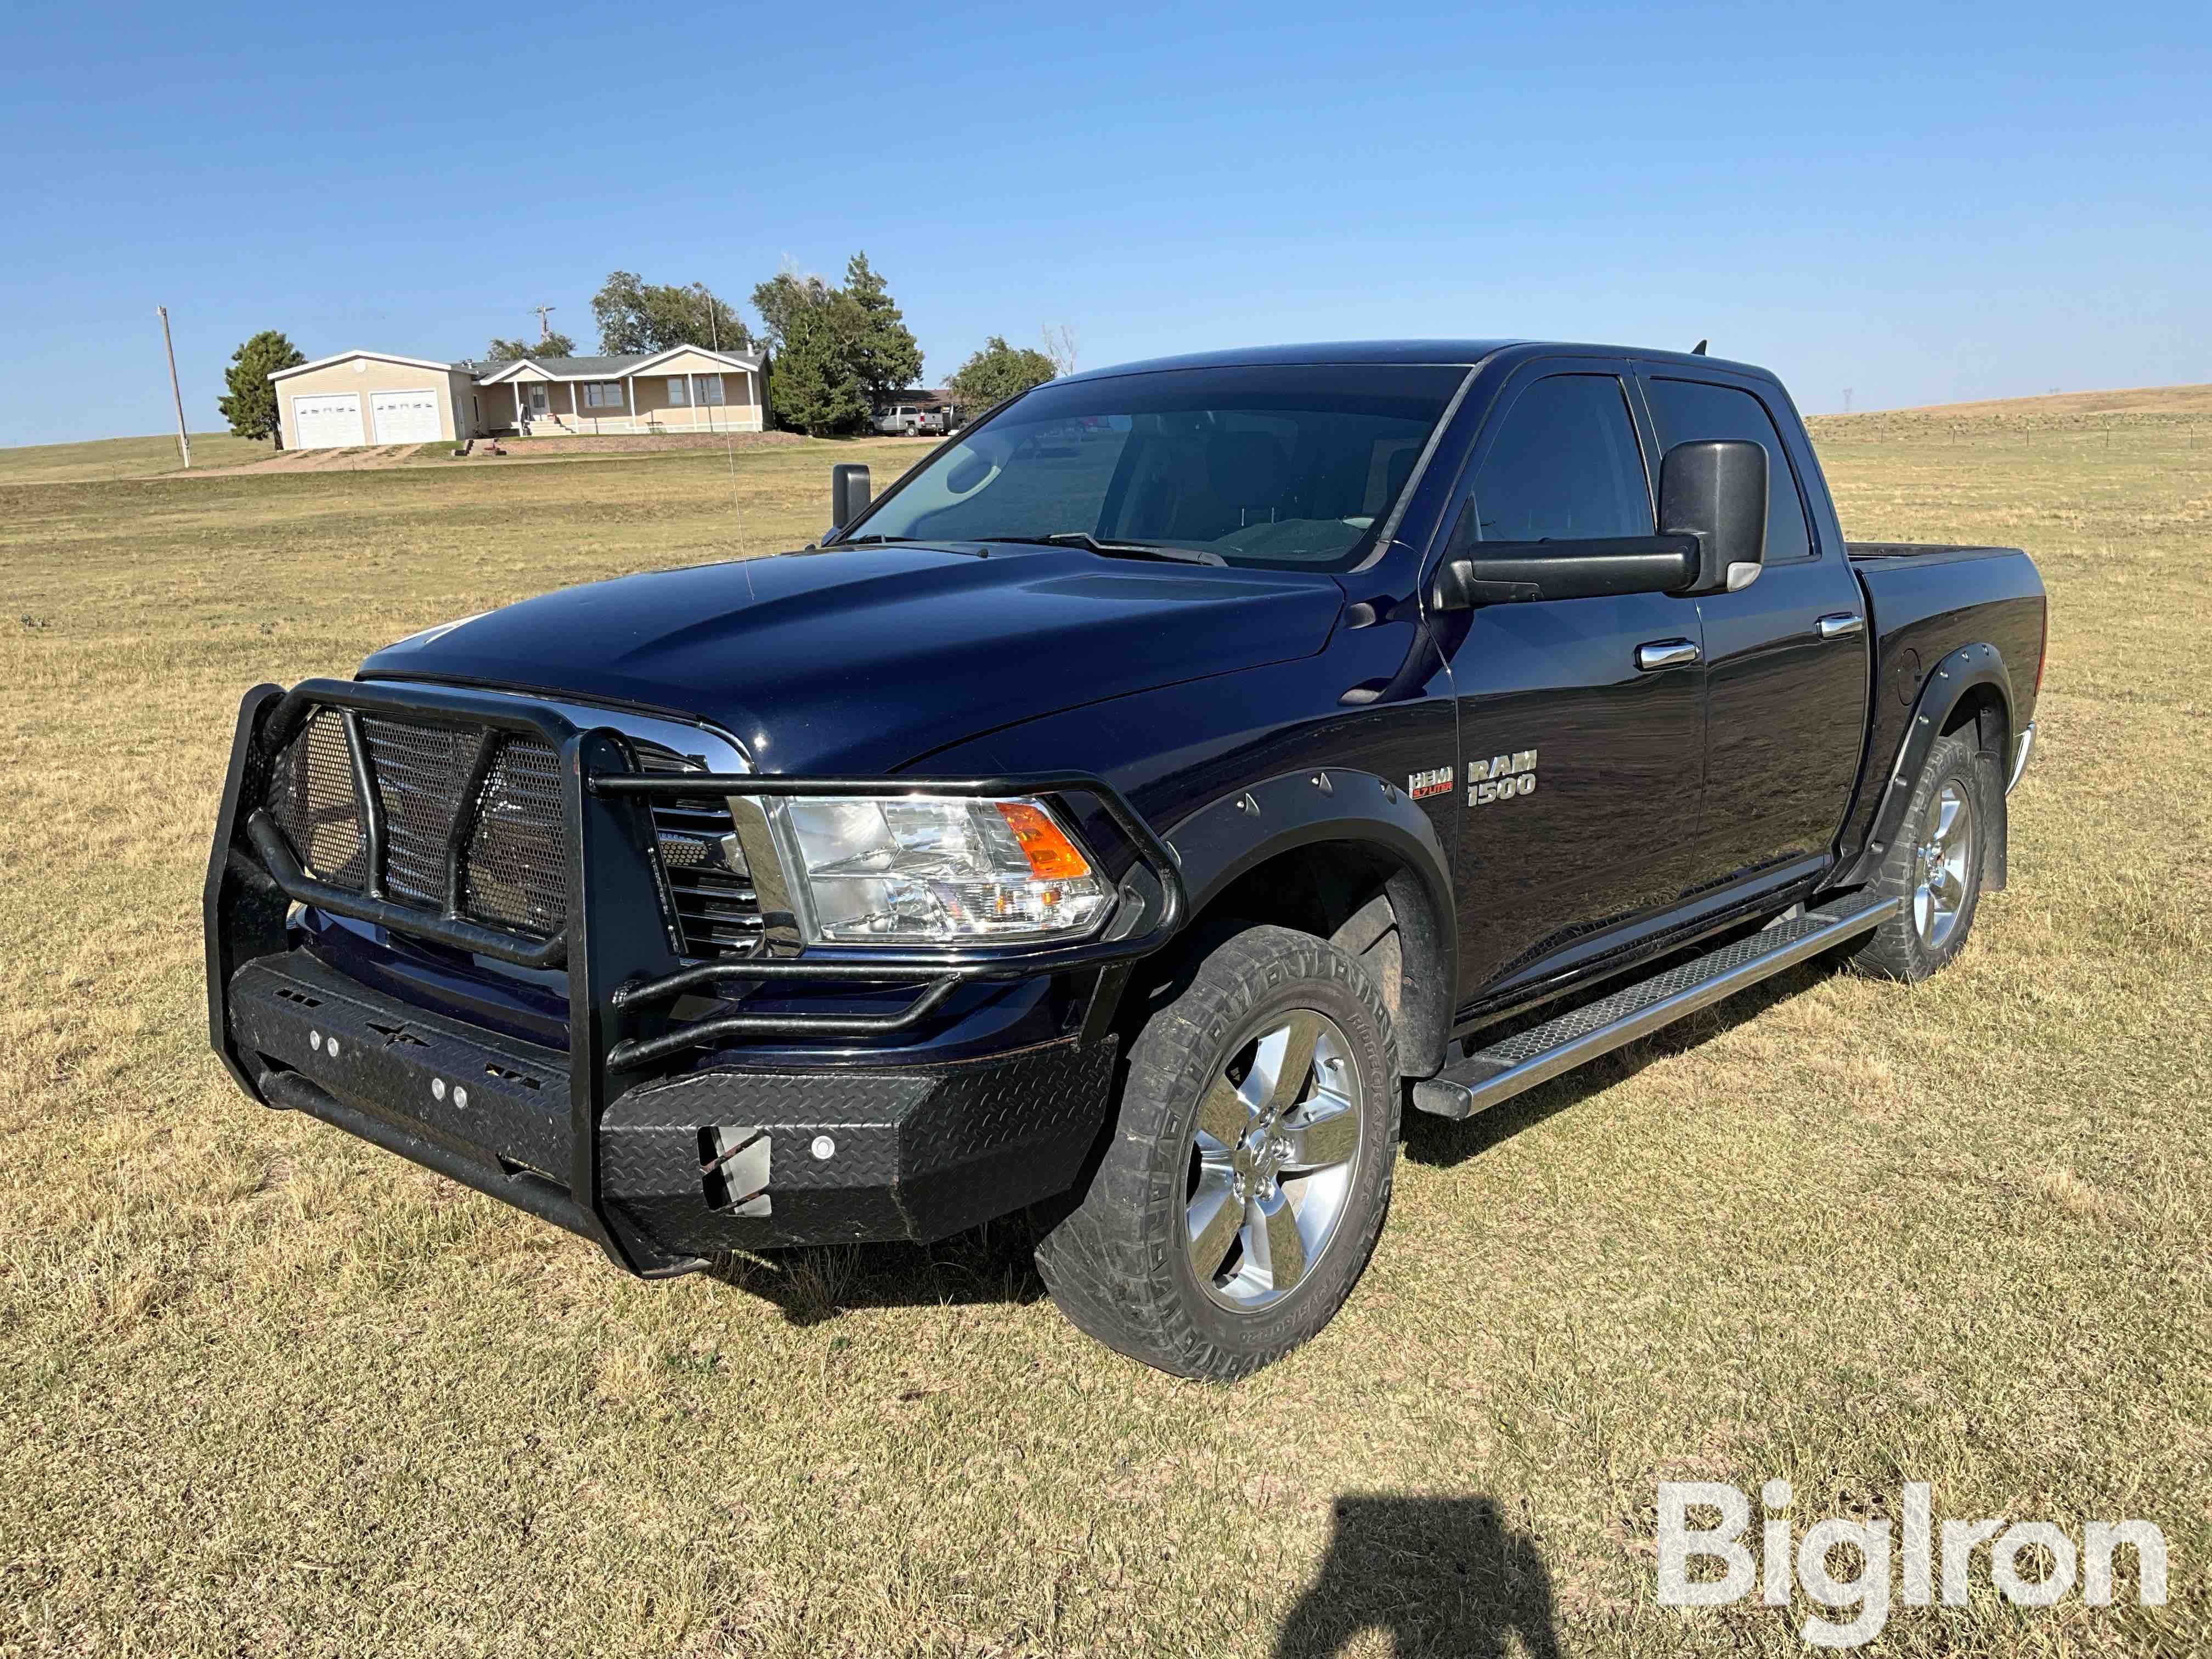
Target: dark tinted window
(1564,466)
(1288,466)
(1688,411)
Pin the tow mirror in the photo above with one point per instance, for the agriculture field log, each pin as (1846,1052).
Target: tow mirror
(1506,572)
(1715,489)
(848,494)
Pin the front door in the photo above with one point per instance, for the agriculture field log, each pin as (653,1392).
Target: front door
(1786,699)
(1581,769)
(540,405)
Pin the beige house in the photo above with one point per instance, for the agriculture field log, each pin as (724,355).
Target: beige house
(362,397)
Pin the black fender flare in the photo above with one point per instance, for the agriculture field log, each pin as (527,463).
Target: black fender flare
(1967,670)
(1223,839)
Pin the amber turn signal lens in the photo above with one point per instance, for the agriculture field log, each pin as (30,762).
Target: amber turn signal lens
(1051,856)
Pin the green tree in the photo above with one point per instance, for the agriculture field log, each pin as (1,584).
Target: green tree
(997,373)
(782,297)
(815,388)
(554,344)
(635,315)
(251,406)
(884,353)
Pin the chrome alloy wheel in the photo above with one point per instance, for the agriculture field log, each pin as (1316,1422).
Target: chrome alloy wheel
(1943,865)
(1271,1160)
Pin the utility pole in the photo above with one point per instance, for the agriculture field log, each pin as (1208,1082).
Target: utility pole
(184,443)
(543,313)
(1847,400)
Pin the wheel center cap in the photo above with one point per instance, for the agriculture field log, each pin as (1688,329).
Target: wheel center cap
(1255,1162)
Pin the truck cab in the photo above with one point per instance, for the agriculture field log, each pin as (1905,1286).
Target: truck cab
(1124,817)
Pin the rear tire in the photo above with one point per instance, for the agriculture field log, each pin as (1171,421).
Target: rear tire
(1249,1172)
(1937,861)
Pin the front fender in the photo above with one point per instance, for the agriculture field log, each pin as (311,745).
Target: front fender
(1225,839)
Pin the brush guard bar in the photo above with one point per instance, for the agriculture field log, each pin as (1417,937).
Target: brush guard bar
(623,972)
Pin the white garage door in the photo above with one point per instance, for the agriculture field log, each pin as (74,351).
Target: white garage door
(405,417)
(327,420)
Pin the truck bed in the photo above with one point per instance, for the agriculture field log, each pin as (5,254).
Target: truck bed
(1923,602)
(1922,552)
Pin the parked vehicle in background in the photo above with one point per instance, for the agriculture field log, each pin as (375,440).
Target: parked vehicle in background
(1129,814)
(912,421)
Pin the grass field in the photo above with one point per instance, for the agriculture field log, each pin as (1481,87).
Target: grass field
(263,1390)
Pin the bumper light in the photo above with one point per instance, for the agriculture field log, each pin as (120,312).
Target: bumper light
(918,869)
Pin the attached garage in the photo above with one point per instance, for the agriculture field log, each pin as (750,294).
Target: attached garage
(405,417)
(325,420)
(361,398)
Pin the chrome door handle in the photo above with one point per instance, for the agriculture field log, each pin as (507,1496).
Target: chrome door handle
(1842,626)
(1667,653)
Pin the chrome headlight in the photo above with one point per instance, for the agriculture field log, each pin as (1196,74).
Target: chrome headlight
(930,870)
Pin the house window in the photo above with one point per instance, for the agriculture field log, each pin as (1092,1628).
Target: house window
(710,389)
(603,394)
(679,395)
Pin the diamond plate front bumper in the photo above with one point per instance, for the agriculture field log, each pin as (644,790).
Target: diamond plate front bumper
(650,1132)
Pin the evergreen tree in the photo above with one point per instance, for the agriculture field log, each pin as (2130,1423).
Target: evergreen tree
(815,388)
(885,354)
(251,406)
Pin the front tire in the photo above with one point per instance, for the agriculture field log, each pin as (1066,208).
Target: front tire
(1250,1168)
(1936,862)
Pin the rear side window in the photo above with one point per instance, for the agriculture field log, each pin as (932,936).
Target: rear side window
(1564,466)
(1688,411)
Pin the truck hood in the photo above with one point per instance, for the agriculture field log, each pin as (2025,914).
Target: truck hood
(865,658)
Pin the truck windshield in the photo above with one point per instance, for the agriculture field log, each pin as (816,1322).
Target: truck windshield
(1290,467)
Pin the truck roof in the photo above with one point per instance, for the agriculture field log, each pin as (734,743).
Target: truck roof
(1399,351)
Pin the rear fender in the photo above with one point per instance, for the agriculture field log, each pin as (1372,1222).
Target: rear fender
(1959,676)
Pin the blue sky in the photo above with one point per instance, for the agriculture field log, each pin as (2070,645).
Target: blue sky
(1920,204)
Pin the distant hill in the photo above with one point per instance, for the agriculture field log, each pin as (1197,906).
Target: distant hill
(2141,400)
(108,458)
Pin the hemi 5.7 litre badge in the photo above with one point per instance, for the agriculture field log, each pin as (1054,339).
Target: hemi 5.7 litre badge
(1437,782)
(1502,777)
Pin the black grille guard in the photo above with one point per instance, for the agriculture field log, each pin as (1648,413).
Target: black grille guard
(622,971)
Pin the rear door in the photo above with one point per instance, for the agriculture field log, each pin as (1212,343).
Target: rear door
(1581,771)
(1785,658)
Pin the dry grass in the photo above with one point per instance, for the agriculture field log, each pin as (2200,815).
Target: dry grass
(2140,400)
(109,459)
(265,1390)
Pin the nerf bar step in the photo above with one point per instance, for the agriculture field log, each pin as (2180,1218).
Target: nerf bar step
(1541,1053)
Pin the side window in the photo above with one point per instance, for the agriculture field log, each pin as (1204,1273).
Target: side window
(1686,410)
(1563,467)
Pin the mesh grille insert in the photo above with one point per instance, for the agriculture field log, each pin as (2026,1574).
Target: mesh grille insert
(513,867)
(311,798)
(516,873)
(419,771)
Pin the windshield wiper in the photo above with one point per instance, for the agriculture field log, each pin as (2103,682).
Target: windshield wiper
(1084,538)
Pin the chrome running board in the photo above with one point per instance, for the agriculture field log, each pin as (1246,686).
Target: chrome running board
(1515,1063)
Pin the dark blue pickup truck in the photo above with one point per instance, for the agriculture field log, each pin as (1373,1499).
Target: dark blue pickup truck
(1159,787)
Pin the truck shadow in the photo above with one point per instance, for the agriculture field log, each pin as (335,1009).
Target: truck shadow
(1436,1575)
(1440,1143)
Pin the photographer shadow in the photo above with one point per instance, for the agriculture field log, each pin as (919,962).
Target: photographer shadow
(1439,1575)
